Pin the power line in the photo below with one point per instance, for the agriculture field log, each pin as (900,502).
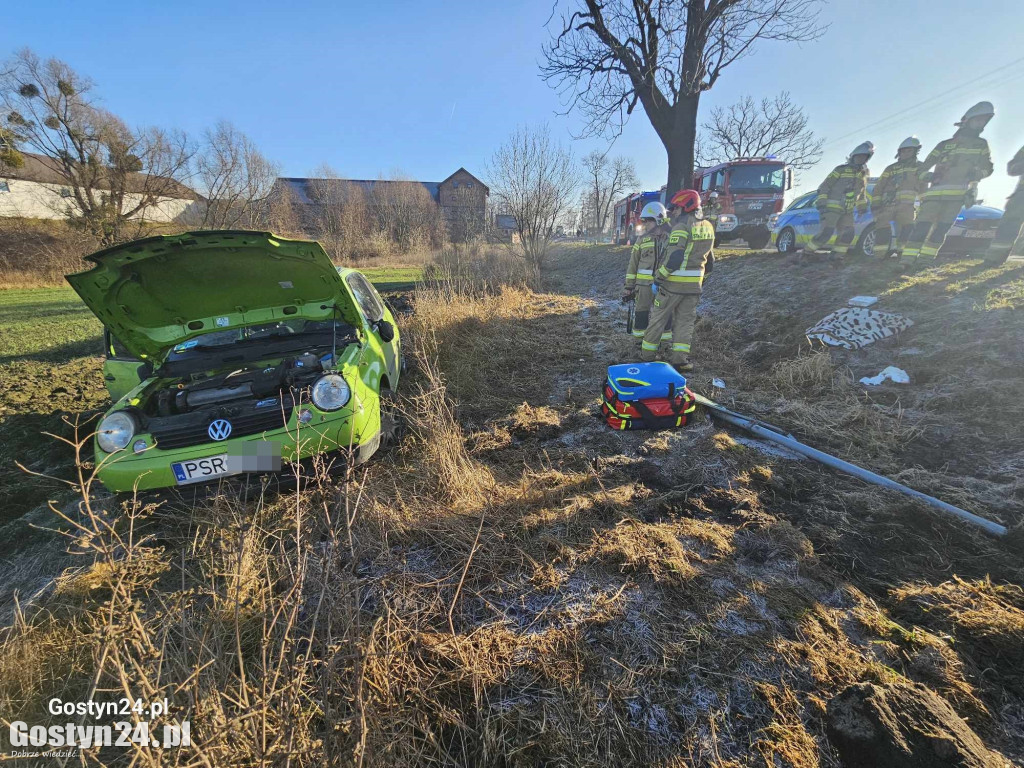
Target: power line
(945,94)
(890,121)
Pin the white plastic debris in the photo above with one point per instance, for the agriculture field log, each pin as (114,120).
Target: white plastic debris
(718,383)
(862,301)
(892,373)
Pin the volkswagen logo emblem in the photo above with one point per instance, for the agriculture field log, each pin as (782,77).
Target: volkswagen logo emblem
(220,429)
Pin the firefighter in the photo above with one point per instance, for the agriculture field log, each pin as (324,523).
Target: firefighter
(643,260)
(894,198)
(712,207)
(688,255)
(1009,239)
(843,192)
(959,163)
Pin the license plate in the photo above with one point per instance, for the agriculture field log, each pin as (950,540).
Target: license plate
(199,470)
(754,206)
(980,233)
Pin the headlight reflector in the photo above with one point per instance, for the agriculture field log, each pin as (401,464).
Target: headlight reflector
(115,431)
(331,392)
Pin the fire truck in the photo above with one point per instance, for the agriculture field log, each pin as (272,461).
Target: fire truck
(626,215)
(750,189)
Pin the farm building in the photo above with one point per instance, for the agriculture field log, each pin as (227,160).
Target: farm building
(462,197)
(37,190)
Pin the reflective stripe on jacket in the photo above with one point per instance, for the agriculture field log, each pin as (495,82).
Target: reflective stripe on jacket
(958,162)
(899,183)
(644,257)
(688,248)
(641,261)
(843,189)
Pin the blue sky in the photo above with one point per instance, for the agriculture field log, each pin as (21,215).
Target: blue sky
(425,87)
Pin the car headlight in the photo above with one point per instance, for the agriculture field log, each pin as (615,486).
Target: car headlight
(331,392)
(115,431)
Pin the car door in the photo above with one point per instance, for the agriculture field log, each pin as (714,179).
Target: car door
(373,310)
(121,371)
(804,218)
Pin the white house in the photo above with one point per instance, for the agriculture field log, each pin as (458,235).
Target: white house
(38,191)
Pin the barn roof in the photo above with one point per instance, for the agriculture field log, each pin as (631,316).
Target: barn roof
(46,170)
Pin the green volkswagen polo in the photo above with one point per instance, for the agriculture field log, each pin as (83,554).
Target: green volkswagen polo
(231,352)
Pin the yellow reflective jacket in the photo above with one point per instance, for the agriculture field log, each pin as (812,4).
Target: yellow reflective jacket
(688,248)
(899,184)
(958,162)
(844,189)
(645,256)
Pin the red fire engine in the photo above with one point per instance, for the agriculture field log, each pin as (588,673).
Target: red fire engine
(750,189)
(626,215)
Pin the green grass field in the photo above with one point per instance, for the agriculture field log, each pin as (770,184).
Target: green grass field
(50,347)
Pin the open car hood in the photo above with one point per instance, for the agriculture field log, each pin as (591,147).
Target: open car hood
(158,292)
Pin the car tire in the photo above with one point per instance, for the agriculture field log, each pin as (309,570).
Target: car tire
(786,241)
(759,240)
(393,426)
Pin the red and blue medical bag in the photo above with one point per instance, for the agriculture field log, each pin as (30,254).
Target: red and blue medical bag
(646,396)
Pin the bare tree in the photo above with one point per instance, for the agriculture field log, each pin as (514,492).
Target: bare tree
(406,214)
(114,174)
(283,213)
(10,157)
(610,55)
(606,180)
(339,217)
(235,178)
(773,126)
(534,179)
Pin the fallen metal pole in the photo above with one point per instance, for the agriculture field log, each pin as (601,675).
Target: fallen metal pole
(775,435)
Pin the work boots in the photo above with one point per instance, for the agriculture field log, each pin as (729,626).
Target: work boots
(685,366)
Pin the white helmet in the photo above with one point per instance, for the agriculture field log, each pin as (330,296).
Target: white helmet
(655,211)
(911,142)
(864,148)
(981,109)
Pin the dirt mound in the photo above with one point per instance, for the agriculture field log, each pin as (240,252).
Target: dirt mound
(902,725)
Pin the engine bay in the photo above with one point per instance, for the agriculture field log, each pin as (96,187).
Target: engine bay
(260,382)
(253,398)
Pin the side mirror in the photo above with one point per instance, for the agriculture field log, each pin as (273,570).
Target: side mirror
(385,330)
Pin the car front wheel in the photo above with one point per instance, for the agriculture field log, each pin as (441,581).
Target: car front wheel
(786,241)
(869,243)
(759,240)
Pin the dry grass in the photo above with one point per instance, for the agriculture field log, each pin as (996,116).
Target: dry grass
(813,374)
(518,586)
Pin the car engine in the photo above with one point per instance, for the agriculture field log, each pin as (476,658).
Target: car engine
(253,398)
(245,384)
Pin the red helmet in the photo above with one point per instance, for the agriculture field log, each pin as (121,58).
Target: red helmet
(687,199)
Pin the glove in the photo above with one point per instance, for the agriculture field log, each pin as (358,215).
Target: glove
(862,208)
(927,176)
(628,294)
(654,287)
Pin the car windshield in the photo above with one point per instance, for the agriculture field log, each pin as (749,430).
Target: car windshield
(800,202)
(744,178)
